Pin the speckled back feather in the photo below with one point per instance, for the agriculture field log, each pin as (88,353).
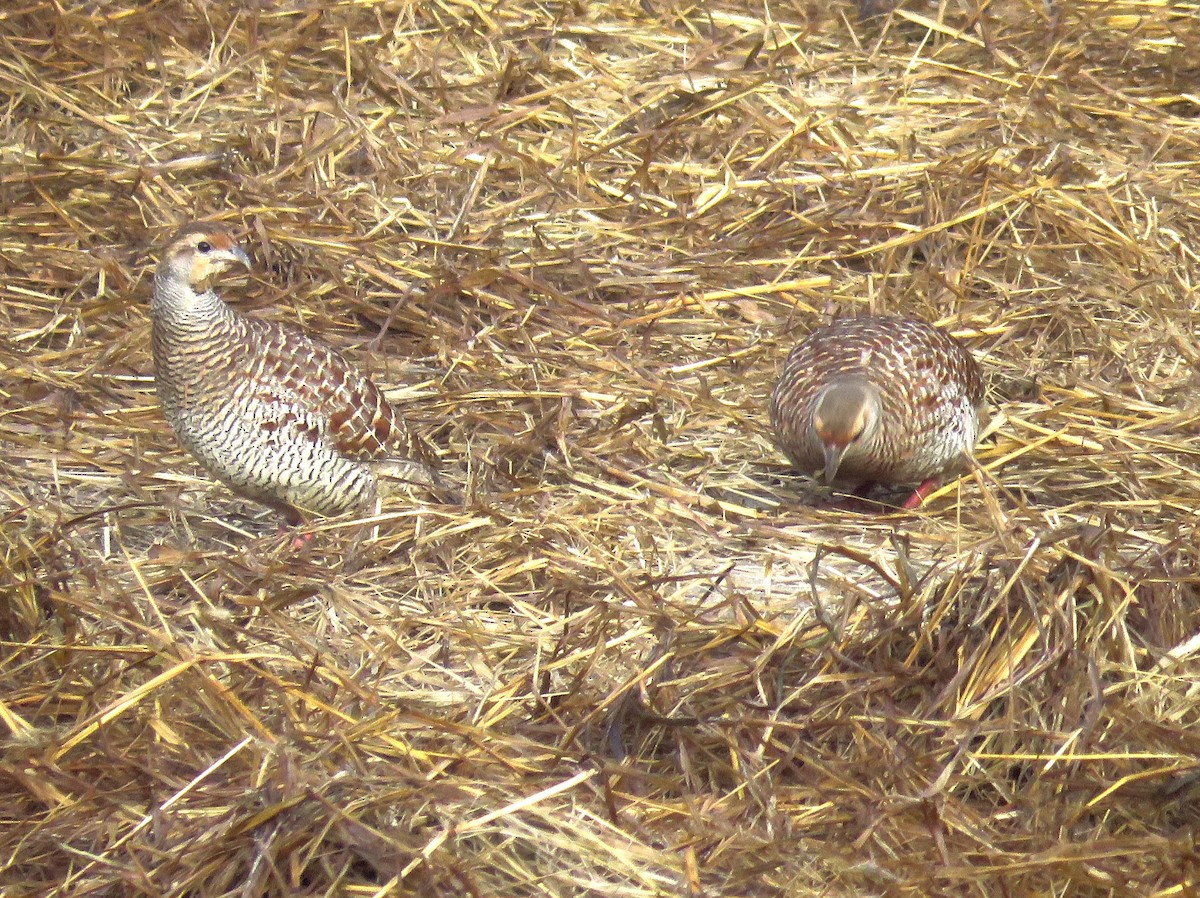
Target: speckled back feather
(930,391)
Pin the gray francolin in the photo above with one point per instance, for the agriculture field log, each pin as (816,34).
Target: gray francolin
(271,412)
(889,400)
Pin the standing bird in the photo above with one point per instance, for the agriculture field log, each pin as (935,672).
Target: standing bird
(274,414)
(884,399)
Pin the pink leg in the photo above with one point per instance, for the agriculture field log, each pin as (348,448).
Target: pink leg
(293,520)
(919,494)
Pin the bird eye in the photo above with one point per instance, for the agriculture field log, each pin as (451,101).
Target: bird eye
(204,246)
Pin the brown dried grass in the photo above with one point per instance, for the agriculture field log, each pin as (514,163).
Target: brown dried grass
(582,237)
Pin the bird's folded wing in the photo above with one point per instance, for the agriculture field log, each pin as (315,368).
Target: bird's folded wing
(358,419)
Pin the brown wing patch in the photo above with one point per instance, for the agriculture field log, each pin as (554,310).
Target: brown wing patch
(383,425)
(298,425)
(282,412)
(360,422)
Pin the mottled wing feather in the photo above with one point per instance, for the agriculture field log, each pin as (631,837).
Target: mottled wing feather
(358,419)
(279,415)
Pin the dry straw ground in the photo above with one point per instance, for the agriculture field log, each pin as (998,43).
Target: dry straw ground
(577,239)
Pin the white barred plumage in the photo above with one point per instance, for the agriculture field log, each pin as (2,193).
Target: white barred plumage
(276,415)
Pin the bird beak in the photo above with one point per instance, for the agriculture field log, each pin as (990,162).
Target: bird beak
(833,460)
(239,255)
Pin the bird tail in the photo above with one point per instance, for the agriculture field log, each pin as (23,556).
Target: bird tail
(417,473)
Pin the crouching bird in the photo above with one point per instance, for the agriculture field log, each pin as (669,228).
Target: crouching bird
(889,400)
(271,412)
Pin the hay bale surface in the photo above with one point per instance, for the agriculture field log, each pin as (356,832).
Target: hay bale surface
(577,241)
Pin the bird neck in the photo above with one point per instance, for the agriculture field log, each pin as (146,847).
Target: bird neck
(180,309)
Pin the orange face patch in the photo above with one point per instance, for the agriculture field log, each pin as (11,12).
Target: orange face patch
(209,256)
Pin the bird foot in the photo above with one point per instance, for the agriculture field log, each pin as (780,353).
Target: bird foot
(293,538)
(290,529)
(300,540)
(875,498)
(854,502)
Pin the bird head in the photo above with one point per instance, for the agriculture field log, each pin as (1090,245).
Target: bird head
(198,253)
(845,420)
